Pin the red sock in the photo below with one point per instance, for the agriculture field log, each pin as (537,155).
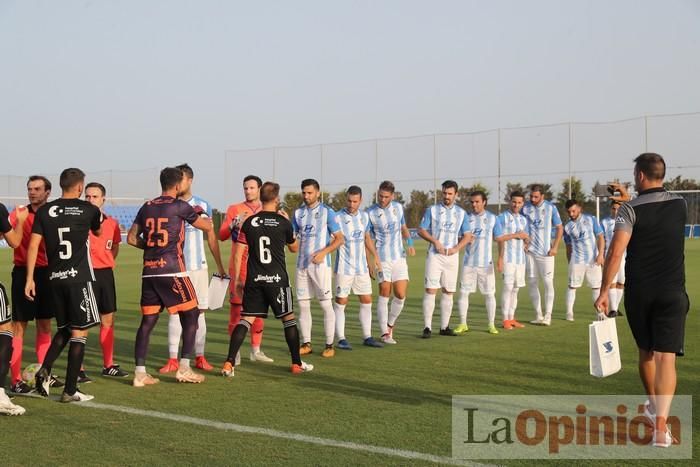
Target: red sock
(107,343)
(256,332)
(234,316)
(43,342)
(16,360)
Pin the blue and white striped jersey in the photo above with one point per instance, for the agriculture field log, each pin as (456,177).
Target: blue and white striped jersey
(313,226)
(581,235)
(510,223)
(351,258)
(193,247)
(445,224)
(608,226)
(484,228)
(385,227)
(541,222)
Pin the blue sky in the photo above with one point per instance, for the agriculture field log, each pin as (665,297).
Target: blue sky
(130,85)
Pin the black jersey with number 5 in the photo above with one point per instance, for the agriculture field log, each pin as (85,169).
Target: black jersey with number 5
(266,234)
(65,226)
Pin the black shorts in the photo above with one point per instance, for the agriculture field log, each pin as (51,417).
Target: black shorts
(75,305)
(41,307)
(5,308)
(258,300)
(172,292)
(105,290)
(657,318)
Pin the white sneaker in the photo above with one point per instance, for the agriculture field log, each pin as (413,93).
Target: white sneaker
(651,416)
(7,407)
(569,316)
(387,339)
(538,320)
(666,440)
(547,320)
(259,356)
(77,397)
(186,375)
(144,379)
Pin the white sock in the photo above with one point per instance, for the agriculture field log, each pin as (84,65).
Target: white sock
(570,300)
(328,320)
(305,320)
(255,348)
(395,311)
(463,305)
(618,298)
(366,319)
(174,333)
(445,309)
(491,308)
(505,301)
(534,290)
(548,297)
(184,363)
(595,293)
(339,311)
(513,303)
(140,369)
(383,313)
(612,297)
(201,336)
(428,309)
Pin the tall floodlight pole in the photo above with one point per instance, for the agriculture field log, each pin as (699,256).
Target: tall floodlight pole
(322,200)
(571,143)
(499,170)
(435,180)
(376,168)
(646,133)
(274,164)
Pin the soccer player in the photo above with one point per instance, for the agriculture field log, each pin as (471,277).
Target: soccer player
(511,257)
(159,230)
(104,249)
(388,229)
(477,270)
(38,191)
(196,265)
(545,231)
(64,225)
(13,236)
(585,246)
(262,238)
(236,214)
(445,226)
(319,235)
(353,270)
(617,288)
(651,228)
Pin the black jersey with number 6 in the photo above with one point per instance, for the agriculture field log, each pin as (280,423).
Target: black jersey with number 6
(266,234)
(65,226)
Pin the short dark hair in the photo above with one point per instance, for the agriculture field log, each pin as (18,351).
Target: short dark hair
(310,182)
(478,193)
(253,177)
(538,187)
(615,202)
(71,177)
(450,184)
(47,182)
(386,185)
(517,194)
(571,202)
(97,185)
(354,190)
(269,191)
(169,177)
(186,169)
(652,165)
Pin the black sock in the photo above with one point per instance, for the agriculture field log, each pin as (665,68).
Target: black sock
(237,337)
(5,355)
(291,334)
(76,352)
(188,321)
(143,336)
(58,343)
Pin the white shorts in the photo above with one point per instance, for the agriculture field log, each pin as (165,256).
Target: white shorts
(314,282)
(394,271)
(484,278)
(593,273)
(200,281)
(539,266)
(514,275)
(441,271)
(620,276)
(360,284)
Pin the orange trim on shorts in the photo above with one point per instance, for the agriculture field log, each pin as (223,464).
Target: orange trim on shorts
(150,309)
(187,306)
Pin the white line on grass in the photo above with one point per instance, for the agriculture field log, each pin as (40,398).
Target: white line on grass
(413,455)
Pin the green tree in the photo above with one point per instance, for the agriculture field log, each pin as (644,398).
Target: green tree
(339,200)
(510,188)
(291,201)
(419,202)
(547,187)
(679,183)
(577,192)
(464,193)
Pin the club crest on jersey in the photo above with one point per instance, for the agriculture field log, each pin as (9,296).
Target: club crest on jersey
(317,215)
(255,222)
(54,211)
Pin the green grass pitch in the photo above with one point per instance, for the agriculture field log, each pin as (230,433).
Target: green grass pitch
(397,397)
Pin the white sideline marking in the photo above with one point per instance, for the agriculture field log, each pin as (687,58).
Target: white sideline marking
(413,455)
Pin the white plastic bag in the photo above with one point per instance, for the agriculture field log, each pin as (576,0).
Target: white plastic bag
(218,289)
(604,351)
